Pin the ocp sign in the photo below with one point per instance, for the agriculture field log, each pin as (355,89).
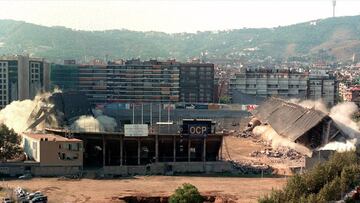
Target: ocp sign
(196,127)
(197,130)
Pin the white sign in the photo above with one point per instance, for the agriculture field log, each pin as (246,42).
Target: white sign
(136,130)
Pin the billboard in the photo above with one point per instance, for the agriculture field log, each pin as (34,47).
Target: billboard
(136,130)
(196,127)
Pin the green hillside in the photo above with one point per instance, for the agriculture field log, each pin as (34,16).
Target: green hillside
(332,38)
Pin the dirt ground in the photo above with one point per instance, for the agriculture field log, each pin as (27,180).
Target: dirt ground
(88,190)
(239,189)
(239,149)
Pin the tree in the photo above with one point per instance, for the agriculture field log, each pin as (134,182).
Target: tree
(224,100)
(9,143)
(186,194)
(328,181)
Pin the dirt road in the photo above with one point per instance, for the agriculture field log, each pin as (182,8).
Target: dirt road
(88,190)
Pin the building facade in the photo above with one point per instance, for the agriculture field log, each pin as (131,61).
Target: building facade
(323,86)
(148,81)
(22,78)
(254,85)
(352,94)
(197,83)
(136,81)
(53,150)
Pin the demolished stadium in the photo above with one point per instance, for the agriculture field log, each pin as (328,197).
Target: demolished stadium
(190,146)
(309,127)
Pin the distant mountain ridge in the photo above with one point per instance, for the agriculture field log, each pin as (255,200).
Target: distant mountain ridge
(331,39)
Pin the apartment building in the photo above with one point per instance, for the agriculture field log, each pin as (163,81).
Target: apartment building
(22,77)
(148,81)
(324,86)
(88,79)
(253,85)
(135,81)
(197,83)
(353,94)
(132,81)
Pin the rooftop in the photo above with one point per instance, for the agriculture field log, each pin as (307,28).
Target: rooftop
(49,137)
(355,88)
(288,119)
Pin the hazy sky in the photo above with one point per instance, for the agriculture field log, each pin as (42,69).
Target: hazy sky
(173,15)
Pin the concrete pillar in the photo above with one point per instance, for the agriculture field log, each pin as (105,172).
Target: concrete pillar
(174,149)
(189,152)
(104,149)
(139,152)
(221,147)
(204,149)
(156,148)
(23,77)
(121,149)
(326,132)
(46,76)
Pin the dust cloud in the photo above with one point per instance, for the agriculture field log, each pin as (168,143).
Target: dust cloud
(269,134)
(341,115)
(16,114)
(99,123)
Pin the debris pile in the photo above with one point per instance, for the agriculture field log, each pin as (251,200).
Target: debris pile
(252,168)
(244,134)
(23,196)
(283,153)
(247,132)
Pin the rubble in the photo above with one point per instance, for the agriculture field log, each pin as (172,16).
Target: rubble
(244,134)
(252,167)
(247,132)
(284,153)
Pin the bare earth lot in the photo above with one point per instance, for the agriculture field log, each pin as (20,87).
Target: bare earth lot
(88,190)
(236,188)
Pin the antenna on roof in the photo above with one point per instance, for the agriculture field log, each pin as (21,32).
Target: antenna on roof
(334,5)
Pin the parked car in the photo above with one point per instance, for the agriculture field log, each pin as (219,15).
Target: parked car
(39,199)
(33,195)
(7,200)
(26,176)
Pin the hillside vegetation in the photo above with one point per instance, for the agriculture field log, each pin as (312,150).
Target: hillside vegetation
(332,38)
(326,182)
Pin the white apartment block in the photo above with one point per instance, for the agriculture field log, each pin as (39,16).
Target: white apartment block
(22,78)
(254,85)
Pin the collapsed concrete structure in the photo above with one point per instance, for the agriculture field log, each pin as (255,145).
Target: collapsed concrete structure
(196,147)
(59,109)
(309,127)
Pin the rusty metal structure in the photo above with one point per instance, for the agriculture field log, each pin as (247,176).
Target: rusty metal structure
(309,127)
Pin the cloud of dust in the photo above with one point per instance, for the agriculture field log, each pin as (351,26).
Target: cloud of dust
(348,145)
(342,116)
(109,124)
(317,104)
(16,114)
(57,90)
(99,123)
(87,124)
(269,134)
